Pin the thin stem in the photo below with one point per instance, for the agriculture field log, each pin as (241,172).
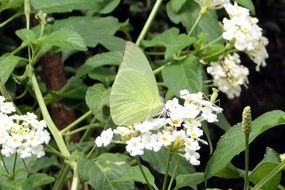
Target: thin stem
(156,71)
(10,19)
(52,127)
(167,171)
(91,151)
(246,160)
(142,171)
(211,42)
(4,164)
(172,177)
(268,177)
(60,180)
(14,166)
(53,151)
(26,167)
(148,22)
(195,23)
(90,126)
(77,121)
(280,187)
(75,178)
(22,46)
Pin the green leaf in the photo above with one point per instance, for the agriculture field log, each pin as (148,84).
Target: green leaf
(183,74)
(177,5)
(96,98)
(66,39)
(134,174)
(109,172)
(172,40)
(229,172)
(37,180)
(189,180)
(108,58)
(93,174)
(7,65)
(26,35)
(44,163)
(247,4)
(223,123)
(187,15)
(270,161)
(10,4)
(93,30)
(104,75)
(231,144)
(55,6)
(158,161)
(108,6)
(74,89)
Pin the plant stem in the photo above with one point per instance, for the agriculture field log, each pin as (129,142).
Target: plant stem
(10,19)
(53,129)
(75,179)
(90,126)
(271,174)
(142,171)
(211,42)
(195,23)
(246,160)
(149,21)
(14,166)
(61,178)
(167,171)
(156,71)
(77,121)
(4,164)
(172,177)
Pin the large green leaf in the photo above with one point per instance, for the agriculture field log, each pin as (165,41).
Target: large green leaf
(171,40)
(93,30)
(26,35)
(104,75)
(158,161)
(10,4)
(183,74)
(37,180)
(93,174)
(108,58)
(7,65)
(187,15)
(231,142)
(189,180)
(96,98)
(270,161)
(66,39)
(111,171)
(55,6)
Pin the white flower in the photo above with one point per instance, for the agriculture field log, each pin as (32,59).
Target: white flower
(228,75)
(242,30)
(135,146)
(23,134)
(166,138)
(192,157)
(105,138)
(151,141)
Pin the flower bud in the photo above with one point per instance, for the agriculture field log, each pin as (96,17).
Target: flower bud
(246,120)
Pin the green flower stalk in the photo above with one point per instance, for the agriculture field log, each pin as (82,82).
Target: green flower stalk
(246,129)
(246,120)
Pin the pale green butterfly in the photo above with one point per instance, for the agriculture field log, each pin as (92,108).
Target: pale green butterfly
(134,94)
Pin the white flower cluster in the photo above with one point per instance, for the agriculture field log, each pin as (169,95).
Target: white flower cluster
(23,134)
(179,130)
(243,31)
(228,75)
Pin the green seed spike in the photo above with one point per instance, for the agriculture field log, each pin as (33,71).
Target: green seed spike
(246,120)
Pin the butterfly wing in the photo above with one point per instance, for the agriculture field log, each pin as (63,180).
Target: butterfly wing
(134,94)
